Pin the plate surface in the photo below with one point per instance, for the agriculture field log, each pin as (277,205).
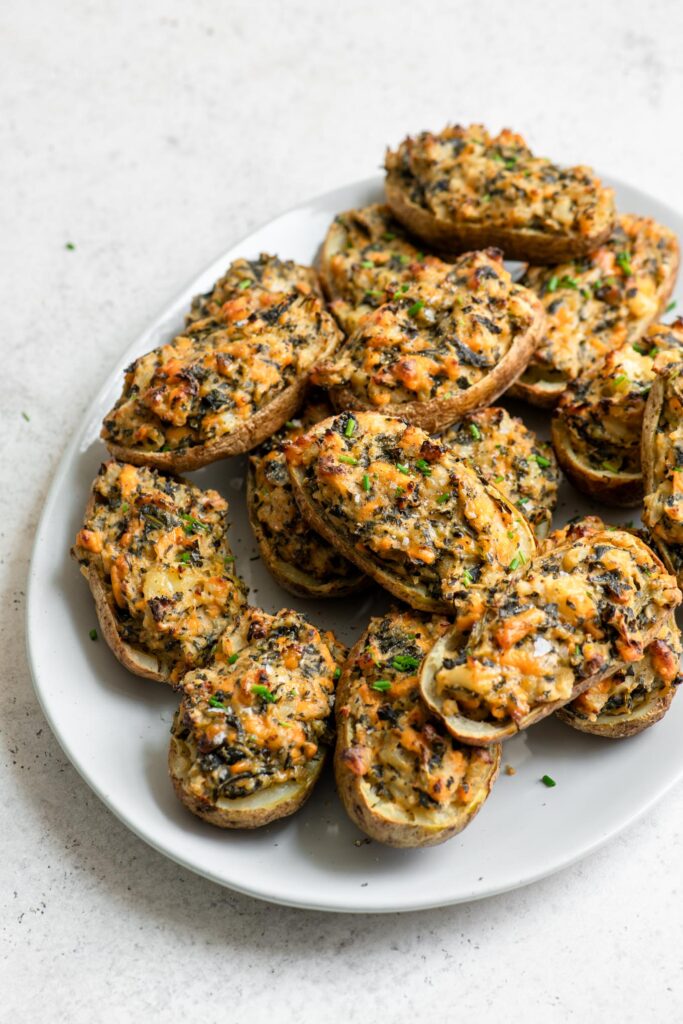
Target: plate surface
(114,727)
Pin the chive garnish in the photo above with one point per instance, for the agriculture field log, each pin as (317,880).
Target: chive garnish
(350,427)
(424,467)
(26,417)
(542,461)
(514,564)
(191,524)
(443,498)
(93,634)
(382,685)
(475,432)
(403,467)
(184,556)
(547,781)
(233,658)
(264,693)
(624,261)
(337,673)
(672,305)
(416,307)
(368,264)
(70,246)
(467,578)
(405,662)
(349,460)
(215,703)
(245,283)
(366,482)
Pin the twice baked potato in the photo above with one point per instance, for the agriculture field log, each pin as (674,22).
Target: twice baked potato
(598,303)
(578,614)
(510,456)
(299,559)
(598,423)
(229,381)
(250,737)
(401,777)
(155,553)
(466,189)
(662,448)
(636,696)
(252,286)
(367,259)
(405,510)
(453,349)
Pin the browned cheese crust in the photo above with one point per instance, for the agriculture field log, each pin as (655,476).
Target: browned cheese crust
(465,189)
(229,380)
(579,613)
(154,550)
(405,510)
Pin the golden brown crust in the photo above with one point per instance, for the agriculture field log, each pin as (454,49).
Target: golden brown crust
(447,237)
(402,779)
(499,529)
(491,668)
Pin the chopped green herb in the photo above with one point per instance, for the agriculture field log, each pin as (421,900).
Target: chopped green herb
(547,781)
(672,305)
(264,693)
(467,578)
(290,424)
(498,479)
(542,461)
(522,501)
(405,662)
(621,379)
(382,685)
(349,460)
(424,467)
(26,417)
(215,703)
(511,535)
(366,482)
(486,198)
(402,467)
(403,288)
(228,559)
(578,651)
(337,673)
(70,246)
(514,564)
(184,556)
(443,498)
(93,634)
(403,259)
(124,507)
(611,467)
(373,293)
(368,264)
(233,658)
(191,524)
(246,283)
(475,432)
(416,307)
(624,261)
(350,427)
(552,284)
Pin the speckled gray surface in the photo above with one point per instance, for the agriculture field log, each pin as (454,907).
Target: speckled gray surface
(151,138)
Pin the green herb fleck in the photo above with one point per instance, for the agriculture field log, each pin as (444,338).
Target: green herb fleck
(547,781)
(552,283)
(93,634)
(350,427)
(233,658)
(475,432)
(349,460)
(443,498)
(424,467)
(416,307)
(542,461)
(403,467)
(191,524)
(246,283)
(337,673)
(264,693)
(368,264)
(70,246)
(405,662)
(467,578)
(672,305)
(215,703)
(366,482)
(184,556)
(498,479)
(624,261)
(514,564)
(26,417)
(382,685)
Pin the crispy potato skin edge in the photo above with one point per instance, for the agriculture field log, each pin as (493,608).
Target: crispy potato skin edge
(619,489)
(611,728)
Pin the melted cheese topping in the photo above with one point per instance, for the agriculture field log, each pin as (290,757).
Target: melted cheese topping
(603,411)
(467,175)
(210,380)
(663,508)
(576,611)
(289,536)
(439,344)
(252,285)
(161,548)
(632,686)
(260,718)
(401,751)
(371,261)
(602,301)
(406,502)
(510,456)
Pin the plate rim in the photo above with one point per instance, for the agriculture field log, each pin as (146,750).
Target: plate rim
(275,896)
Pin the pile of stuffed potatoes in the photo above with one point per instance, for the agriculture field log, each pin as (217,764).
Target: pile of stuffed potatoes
(364,391)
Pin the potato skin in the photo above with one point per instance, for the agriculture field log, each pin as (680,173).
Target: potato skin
(386,821)
(631,725)
(482,732)
(618,489)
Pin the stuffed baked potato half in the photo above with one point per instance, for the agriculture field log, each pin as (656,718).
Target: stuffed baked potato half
(250,737)
(297,557)
(509,455)
(636,696)
(662,445)
(367,259)
(401,777)
(443,350)
(598,424)
(466,189)
(403,508)
(155,553)
(577,615)
(229,380)
(598,303)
